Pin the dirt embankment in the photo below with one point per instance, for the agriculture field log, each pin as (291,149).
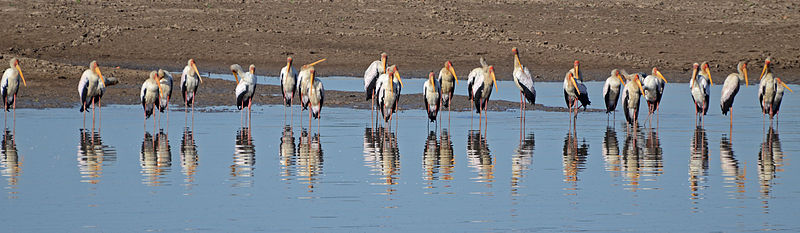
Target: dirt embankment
(57,39)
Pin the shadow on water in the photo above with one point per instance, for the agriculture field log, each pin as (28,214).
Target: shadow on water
(573,160)
(309,159)
(770,162)
(480,159)
(244,159)
(189,157)
(438,162)
(698,167)
(11,164)
(521,161)
(382,155)
(93,155)
(734,175)
(155,159)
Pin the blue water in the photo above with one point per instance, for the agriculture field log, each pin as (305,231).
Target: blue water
(351,176)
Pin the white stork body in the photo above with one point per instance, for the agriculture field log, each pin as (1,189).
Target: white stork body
(482,80)
(371,76)
(91,88)
(448,81)
(731,87)
(316,96)
(700,85)
(575,91)
(432,92)
(9,85)
(246,87)
(190,81)
(524,81)
(166,89)
(611,90)
(630,99)
(388,90)
(770,92)
(150,93)
(288,82)
(653,88)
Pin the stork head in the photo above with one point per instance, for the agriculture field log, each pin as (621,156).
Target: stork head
(575,66)
(235,70)
(15,64)
(615,73)
(96,69)
(707,70)
(658,73)
(766,67)
(430,79)
(742,68)
(449,66)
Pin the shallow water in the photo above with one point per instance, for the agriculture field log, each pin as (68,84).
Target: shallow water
(351,176)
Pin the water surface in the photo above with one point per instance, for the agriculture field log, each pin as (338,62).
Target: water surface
(350,175)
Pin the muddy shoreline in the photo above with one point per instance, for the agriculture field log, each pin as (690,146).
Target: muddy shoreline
(56,40)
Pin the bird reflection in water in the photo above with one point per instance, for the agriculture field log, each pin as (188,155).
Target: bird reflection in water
(382,155)
(611,153)
(189,157)
(641,160)
(309,160)
(287,152)
(770,162)
(480,158)
(521,161)
(93,156)
(438,162)
(733,174)
(698,166)
(244,159)
(574,159)
(156,158)
(10,164)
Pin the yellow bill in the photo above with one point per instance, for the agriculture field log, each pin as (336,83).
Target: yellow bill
(397,75)
(316,62)
(453,72)
(574,84)
(661,76)
(20,74)
(97,70)
(197,72)
(744,69)
(784,85)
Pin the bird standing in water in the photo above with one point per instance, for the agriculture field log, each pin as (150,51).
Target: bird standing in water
(288,85)
(700,84)
(730,88)
(150,96)
(245,88)
(611,90)
(432,92)
(10,85)
(448,81)
(524,81)
(575,91)
(90,89)
(190,81)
